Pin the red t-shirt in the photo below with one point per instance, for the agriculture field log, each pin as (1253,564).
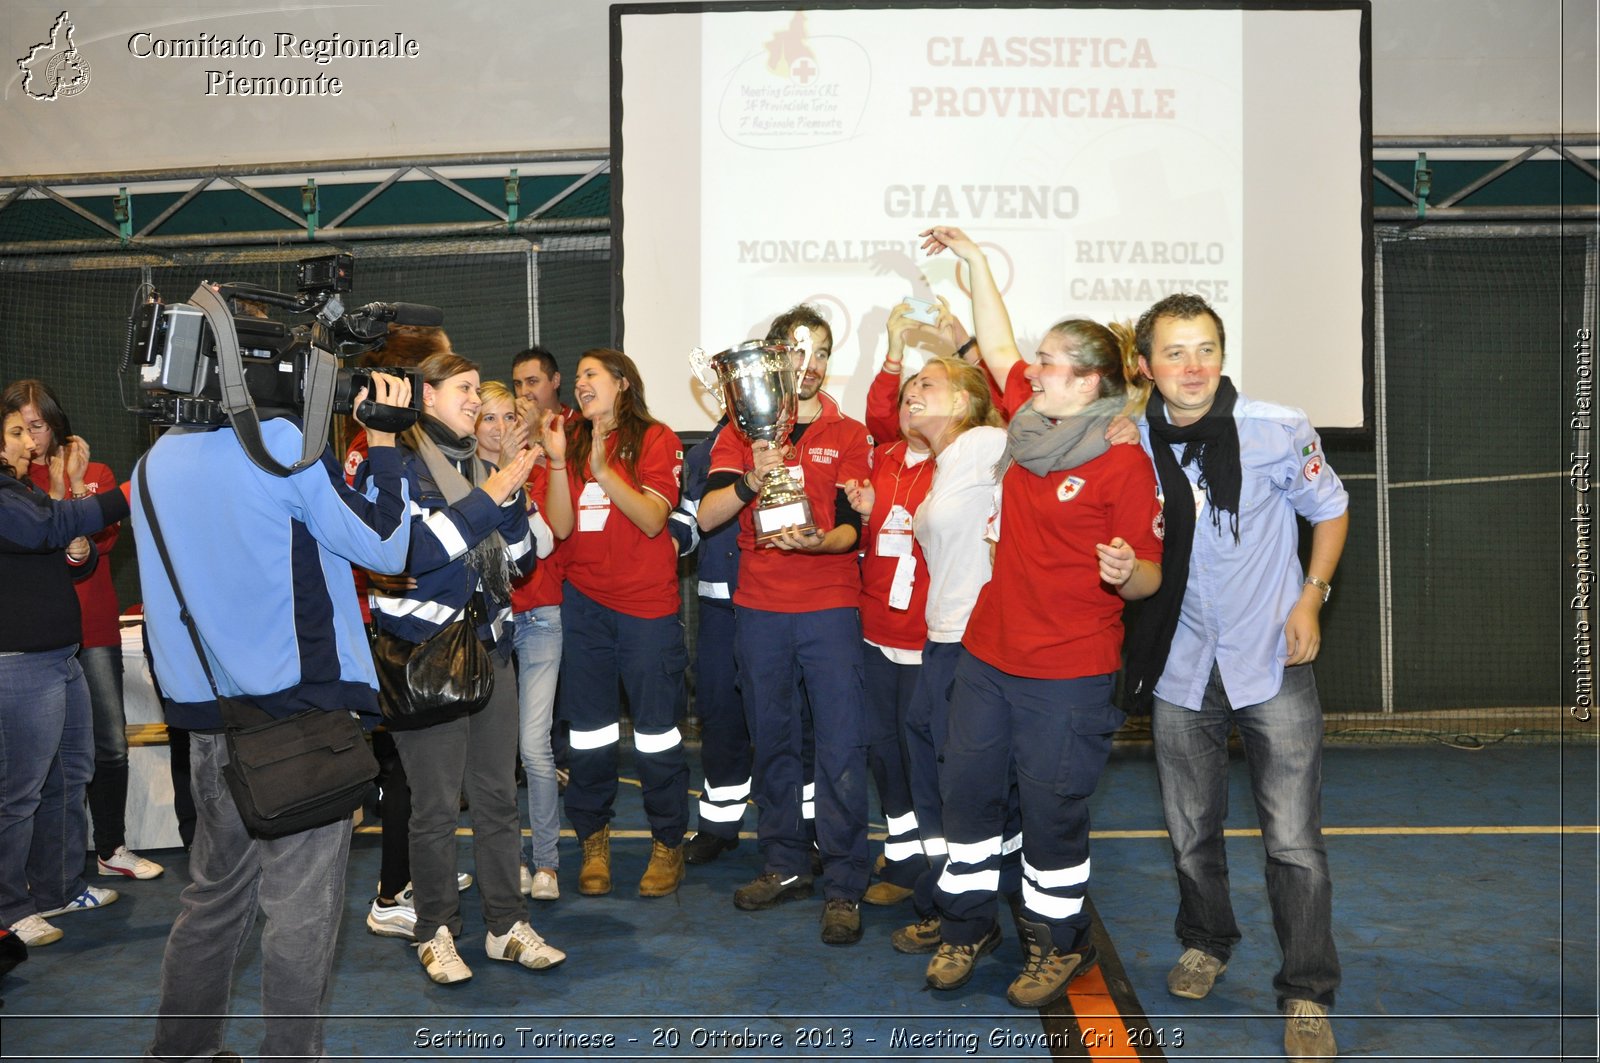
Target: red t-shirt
(1018,390)
(97,597)
(898,493)
(542,586)
(832,449)
(1045,614)
(607,557)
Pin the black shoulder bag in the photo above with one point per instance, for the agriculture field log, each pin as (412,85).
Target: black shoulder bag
(286,775)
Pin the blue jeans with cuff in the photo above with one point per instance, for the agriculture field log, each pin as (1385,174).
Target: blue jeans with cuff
(1282,740)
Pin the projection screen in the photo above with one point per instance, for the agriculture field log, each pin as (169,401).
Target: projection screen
(1104,155)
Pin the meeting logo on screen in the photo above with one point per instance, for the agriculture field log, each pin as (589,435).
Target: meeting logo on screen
(54,68)
(796,90)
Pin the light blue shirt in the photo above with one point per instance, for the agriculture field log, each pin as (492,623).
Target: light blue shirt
(1239,594)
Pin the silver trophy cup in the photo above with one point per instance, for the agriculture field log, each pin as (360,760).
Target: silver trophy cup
(758,387)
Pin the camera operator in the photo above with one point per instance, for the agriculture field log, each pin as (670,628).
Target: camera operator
(233,532)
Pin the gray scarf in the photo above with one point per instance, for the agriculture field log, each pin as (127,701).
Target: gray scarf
(441,451)
(1043,445)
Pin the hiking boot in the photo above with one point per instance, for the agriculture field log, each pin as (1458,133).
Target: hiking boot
(885,893)
(522,944)
(1046,971)
(664,872)
(594,878)
(441,960)
(771,889)
(1306,1033)
(91,898)
(1194,975)
(917,938)
(396,920)
(952,965)
(841,922)
(704,848)
(128,864)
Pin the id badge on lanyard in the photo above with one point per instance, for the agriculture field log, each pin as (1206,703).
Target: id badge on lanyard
(594,508)
(894,538)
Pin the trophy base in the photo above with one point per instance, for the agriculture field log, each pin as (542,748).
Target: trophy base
(771,520)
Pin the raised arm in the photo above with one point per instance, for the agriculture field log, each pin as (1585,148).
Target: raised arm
(996,342)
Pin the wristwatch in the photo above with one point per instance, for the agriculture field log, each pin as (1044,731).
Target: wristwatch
(1322,585)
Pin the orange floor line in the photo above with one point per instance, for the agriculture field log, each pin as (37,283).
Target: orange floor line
(1105,1035)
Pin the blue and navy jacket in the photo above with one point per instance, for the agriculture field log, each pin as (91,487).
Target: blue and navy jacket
(264,563)
(33,563)
(441,535)
(719,548)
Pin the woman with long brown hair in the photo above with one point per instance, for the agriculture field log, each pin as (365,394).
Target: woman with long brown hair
(469,539)
(614,479)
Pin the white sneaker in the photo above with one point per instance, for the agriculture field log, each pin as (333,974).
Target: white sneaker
(463,881)
(33,931)
(444,964)
(129,864)
(522,944)
(544,887)
(524,879)
(397,920)
(91,897)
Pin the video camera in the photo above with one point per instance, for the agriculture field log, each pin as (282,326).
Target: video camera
(205,364)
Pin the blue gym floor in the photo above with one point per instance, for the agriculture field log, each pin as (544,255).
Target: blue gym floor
(1465,914)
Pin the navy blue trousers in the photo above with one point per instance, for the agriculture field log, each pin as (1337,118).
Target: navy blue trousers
(599,648)
(889,687)
(821,650)
(1057,733)
(724,736)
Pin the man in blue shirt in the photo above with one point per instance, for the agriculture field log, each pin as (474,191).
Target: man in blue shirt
(264,564)
(1230,642)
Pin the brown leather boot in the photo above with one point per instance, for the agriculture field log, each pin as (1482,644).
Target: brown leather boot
(1045,969)
(594,880)
(665,871)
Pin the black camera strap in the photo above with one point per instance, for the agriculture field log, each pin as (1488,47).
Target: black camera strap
(321,378)
(235,713)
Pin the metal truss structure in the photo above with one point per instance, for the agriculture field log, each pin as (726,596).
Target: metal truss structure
(581,168)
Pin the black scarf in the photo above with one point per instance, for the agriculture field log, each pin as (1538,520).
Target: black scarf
(1213,441)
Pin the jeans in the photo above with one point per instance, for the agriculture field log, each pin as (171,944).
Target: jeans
(1283,745)
(46,758)
(297,882)
(108,790)
(537,636)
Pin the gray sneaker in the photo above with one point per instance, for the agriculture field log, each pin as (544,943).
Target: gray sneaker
(1194,975)
(951,966)
(1306,1033)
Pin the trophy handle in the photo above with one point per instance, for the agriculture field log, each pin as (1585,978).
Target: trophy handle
(700,366)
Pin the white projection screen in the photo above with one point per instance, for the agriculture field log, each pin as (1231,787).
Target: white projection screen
(1105,155)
